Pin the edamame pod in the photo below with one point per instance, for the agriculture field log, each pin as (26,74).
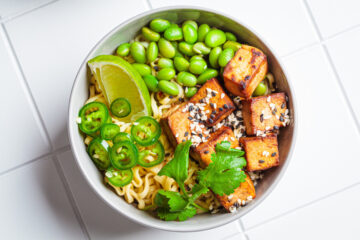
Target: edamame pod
(123,50)
(202,31)
(230,36)
(187,79)
(190,33)
(196,57)
(225,56)
(192,23)
(197,66)
(207,75)
(168,87)
(159,25)
(173,34)
(260,90)
(215,38)
(166,48)
(137,51)
(166,74)
(150,35)
(151,82)
(142,69)
(201,48)
(190,91)
(214,56)
(165,63)
(186,48)
(152,52)
(181,64)
(233,45)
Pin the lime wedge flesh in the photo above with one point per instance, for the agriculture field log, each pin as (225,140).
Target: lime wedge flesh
(117,78)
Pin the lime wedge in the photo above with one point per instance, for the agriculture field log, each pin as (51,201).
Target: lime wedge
(117,78)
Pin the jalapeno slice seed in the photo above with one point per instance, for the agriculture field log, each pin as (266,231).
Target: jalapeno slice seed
(92,116)
(120,107)
(151,155)
(122,136)
(98,152)
(119,178)
(124,155)
(109,130)
(146,131)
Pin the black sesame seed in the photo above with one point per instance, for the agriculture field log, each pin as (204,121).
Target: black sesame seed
(186,134)
(200,114)
(261,117)
(282,119)
(167,154)
(202,100)
(156,68)
(261,161)
(206,152)
(236,204)
(226,106)
(220,109)
(183,140)
(286,98)
(212,105)
(283,105)
(187,188)
(200,135)
(193,133)
(273,154)
(212,115)
(247,77)
(190,118)
(273,112)
(232,122)
(171,97)
(213,112)
(243,85)
(207,137)
(211,121)
(191,108)
(213,94)
(181,99)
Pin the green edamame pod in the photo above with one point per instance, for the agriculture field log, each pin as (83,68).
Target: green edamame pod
(197,66)
(181,64)
(190,33)
(159,25)
(214,38)
(190,22)
(151,82)
(225,57)
(187,79)
(190,91)
(152,52)
(186,48)
(230,36)
(165,63)
(173,34)
(166,74)
(233,45)
(166,48)
(202,31)
(142,69)
(207,75)
(150,35)
(123,50)
(168,87)
(214,56)
(260,90)
(196,57)
(137,51)
(201,48)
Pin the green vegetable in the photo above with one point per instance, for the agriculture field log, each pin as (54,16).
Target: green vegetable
(260,90)
(215,38)
(123,50)
(201,48)
(207,75)
(165,63)
(159,25)
(123,155)
(166,48)
(142,69)
(186,48)
(202,31)
(230,36)
(190,91)
(137,51)
(231,44)
(173,34)
(186,79)
(152,52)
(92,116)
(122,136)
(168,87)
(181,64)
(145,131)
(150,35)
(214,57)
(156,151)
(190,22)
(119,178)
(166,74)
(225,56)
(120,107)
(197,66)
(196,57)
(98,152)
(190,33)
(151,82)
(109,130)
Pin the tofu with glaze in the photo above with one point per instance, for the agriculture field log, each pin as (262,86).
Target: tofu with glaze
(265,114)
(245,71)
(260,152)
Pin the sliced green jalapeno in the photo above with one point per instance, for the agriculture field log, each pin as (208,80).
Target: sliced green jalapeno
(122,136)
(92,116)
(120,107)
(119,178)
(124,155)
(98,152)
(109,130)
(146,131)
(152,155)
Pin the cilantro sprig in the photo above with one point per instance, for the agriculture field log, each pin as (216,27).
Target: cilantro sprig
(223,175)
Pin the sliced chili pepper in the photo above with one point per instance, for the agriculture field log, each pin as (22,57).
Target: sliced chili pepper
(123,136)
(92,116)
(120,107)
(146,131)
(152,155)
(98,152)
(119,178)
(109,130)
(124,155)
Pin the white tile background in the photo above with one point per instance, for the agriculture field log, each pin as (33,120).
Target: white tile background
(43,194)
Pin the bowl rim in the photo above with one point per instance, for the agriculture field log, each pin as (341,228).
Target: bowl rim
(181,228)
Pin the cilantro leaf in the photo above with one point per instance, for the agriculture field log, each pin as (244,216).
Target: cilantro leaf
(224,174)
(166,215)
(197,191)
(173,201)
(177,168)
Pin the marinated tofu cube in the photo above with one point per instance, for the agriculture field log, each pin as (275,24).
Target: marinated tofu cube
(202,153)
(265,114)
(217,105)
(261,152)
(242,195)
(245,71)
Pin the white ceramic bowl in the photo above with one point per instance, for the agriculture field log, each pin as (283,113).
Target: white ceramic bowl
(125,32)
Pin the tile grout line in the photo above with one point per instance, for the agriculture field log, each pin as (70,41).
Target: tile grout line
(148,3)
(304,206)
(70,195)
(332,65)
(24,12)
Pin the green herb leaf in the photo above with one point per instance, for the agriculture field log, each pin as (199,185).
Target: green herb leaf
(224,174)
(166,215)
(197,191)
(173,201)
(177,168)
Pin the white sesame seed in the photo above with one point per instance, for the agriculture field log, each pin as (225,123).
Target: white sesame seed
(232,209)
(108,174)
(177,135)
(243,202)
(230,197)
(232,139)
(268,99)
(267,128)
(222,95)
(249,198)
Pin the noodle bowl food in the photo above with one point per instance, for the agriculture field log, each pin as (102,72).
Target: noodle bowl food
(183,120)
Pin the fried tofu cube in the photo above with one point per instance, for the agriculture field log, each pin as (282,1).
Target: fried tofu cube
(245,192)
(265,113)
(261,152)
(217,105)
(245,71)
(202,153)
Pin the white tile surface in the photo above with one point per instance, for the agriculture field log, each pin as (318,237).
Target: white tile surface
(103,223)
(344,50)
(34,205)
(333,218)
(17,110)
(333,16)
(274,20)
(326,145)
(9,7)
(52,42)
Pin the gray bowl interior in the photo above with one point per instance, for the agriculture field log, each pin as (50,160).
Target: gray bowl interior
(128,31)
